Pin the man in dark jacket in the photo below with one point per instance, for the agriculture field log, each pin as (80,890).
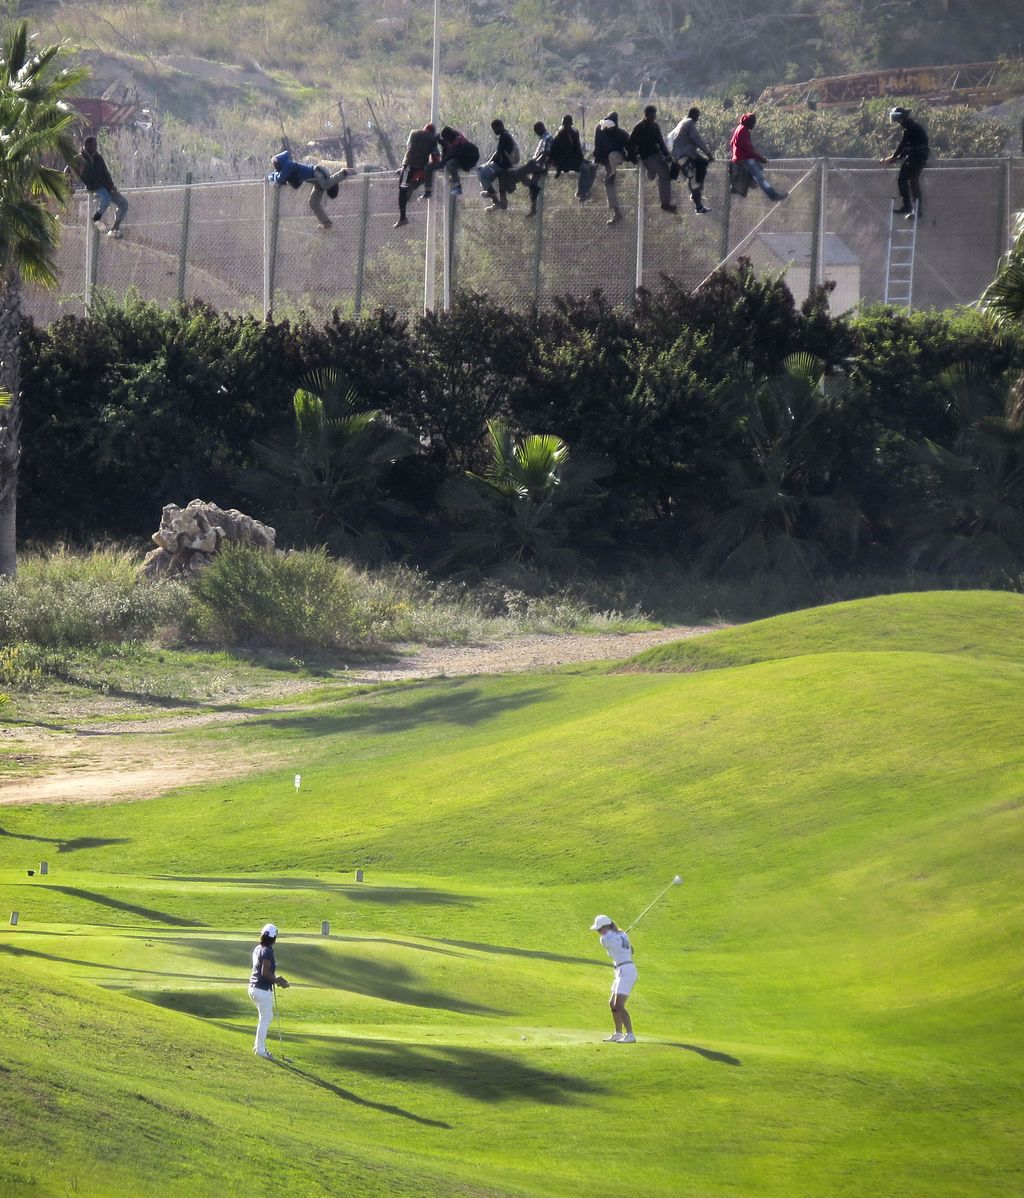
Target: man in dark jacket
(92,170)
(420,149)
(497,168)
(911,154)
(611,150)
(567,158)
(648,147)
(457,154)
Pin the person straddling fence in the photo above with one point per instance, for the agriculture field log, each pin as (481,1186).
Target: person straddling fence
(534,169)
(911,154)
(323,180)
(497,169)
(746,162)
(611,150)
(92,170)
(567,158)
(457,154)
(647,146)
(420,151)
(690,151)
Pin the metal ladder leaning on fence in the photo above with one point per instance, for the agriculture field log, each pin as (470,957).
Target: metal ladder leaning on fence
(899,260)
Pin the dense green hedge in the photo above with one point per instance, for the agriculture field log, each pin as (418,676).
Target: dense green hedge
(137,407)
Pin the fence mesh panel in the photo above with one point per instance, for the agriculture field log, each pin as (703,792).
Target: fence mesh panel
(250,247)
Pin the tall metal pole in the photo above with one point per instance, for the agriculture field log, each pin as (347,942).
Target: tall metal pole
(639,225)
(435,116)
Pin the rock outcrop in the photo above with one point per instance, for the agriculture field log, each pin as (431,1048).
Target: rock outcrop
(189,537)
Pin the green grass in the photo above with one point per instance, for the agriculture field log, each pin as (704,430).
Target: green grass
(985,623)
(828,1006)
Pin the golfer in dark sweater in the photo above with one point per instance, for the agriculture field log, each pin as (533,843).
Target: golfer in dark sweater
(262,981)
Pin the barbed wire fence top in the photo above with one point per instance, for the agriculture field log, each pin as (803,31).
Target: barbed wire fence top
(250,246)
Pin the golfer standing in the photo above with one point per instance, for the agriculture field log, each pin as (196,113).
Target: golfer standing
(261,986)
(616,945)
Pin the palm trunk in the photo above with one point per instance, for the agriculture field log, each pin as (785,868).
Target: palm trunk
(10,420)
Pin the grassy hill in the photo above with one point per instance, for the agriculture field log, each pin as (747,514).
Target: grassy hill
(829,1005)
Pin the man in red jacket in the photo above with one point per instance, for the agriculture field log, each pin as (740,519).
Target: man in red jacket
(749,159)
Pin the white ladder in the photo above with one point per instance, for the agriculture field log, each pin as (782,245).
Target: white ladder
(899,259)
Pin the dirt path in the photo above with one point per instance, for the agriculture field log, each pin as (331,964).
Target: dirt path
(91,762)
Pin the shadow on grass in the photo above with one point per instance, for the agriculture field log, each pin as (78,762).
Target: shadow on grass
(69,846)
(471,1072)
(384,1107)
(16,950)
(174,921)
(356,892)
(708,1054)
(459,704)
(536,954)
(204,1004)
(314,965)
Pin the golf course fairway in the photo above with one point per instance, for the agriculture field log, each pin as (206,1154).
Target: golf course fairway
(830,1004)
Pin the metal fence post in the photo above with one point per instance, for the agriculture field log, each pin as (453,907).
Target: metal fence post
(816,274)
(92,250)
(639,226)
(1005,234)
(723,246)
(448,278)
(186,212)
(538,246)
(271,215)
(364,221)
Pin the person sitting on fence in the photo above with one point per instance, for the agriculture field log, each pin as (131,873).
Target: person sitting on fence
(457,154)
(498,168)
(611,150)
(92,170)
(534,169)
(321,176)
(647,146)
(420,151)
(690,151)
(567,158)
(746,163)
(911,154)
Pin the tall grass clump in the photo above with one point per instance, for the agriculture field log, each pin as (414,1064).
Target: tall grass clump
(299,600)
(61,599)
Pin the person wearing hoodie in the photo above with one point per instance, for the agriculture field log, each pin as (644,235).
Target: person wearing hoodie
(745,157)
(420,149)
(648,147)
(611,150)
(92,169)
(457,154)
(496,169)
(324,178)
(691,151)
(567,158)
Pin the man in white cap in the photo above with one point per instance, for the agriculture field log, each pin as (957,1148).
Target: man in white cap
(261,986)
(616,945)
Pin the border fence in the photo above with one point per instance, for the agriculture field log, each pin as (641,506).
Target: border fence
(248,246)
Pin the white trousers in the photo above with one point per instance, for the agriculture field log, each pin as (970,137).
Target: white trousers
(264,1000)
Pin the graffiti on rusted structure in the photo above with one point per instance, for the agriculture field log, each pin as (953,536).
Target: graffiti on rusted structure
(976,84)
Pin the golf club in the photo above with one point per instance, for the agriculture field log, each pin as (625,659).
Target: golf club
(277,1020)
(676,881)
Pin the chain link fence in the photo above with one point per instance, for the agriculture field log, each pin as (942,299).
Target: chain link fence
(251,247)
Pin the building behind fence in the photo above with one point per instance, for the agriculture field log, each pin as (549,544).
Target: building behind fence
(251,247)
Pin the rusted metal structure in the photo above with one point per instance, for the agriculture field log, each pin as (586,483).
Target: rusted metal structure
(975,84)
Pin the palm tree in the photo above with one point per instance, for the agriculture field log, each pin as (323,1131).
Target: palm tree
(526,504)
(35,129)
(785,516)
(973,520)
(1005,295)
(327,486)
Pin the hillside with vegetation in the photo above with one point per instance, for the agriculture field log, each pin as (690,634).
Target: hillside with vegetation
(218,77)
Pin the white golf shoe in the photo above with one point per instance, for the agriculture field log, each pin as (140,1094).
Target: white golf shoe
(614,1038)
(265,1055)
(630,1039)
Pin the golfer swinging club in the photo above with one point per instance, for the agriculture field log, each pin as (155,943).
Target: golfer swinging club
(261,986)
(616,945)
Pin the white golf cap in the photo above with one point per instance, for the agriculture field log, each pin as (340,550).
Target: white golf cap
(269,930)
(601,921)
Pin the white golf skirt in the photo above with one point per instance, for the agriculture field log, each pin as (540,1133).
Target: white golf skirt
(624,980)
